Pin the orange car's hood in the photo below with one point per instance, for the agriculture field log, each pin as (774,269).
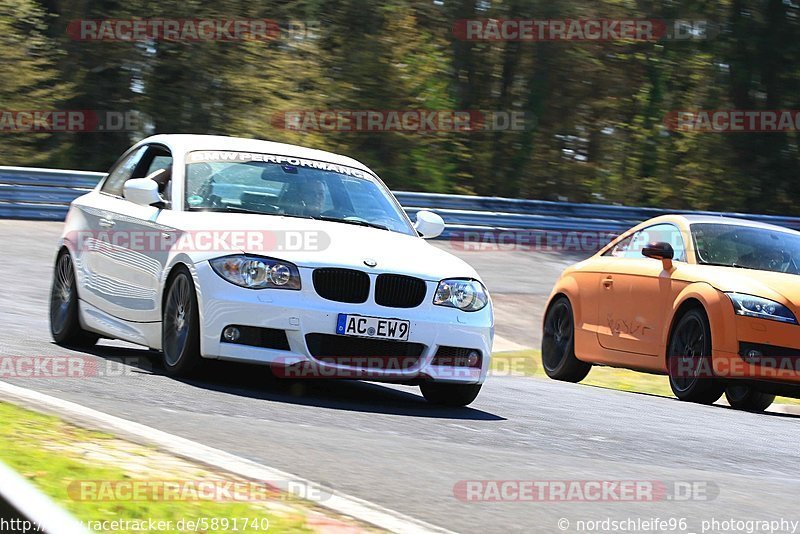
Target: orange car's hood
(780,287)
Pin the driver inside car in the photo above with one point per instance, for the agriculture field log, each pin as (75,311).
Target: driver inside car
(163,177)
(314,197)
(306,198)
(200,186)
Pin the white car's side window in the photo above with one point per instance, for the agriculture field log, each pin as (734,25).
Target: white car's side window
(120,174)
(158,163)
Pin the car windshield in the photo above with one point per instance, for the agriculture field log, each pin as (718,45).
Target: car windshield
(292,187)
(748,247)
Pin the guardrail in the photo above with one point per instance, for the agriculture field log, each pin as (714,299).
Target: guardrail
(44,194)
(41,194)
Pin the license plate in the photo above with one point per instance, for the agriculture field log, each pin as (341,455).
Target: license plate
(373,327)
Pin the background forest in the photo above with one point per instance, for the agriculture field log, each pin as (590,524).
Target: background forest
(599,133)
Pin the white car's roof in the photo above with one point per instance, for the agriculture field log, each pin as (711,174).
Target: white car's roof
(188,142)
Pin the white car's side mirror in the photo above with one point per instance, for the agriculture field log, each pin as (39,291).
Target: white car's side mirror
(429,224)
(142,191)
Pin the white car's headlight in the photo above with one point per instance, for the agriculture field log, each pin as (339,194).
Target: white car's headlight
(466,295)
(257,273)
(752,306)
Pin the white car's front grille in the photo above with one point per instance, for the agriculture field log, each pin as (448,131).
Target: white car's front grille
(342,285)
(352,286)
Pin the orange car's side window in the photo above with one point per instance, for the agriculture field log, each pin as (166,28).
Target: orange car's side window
(631,246)
(618,250)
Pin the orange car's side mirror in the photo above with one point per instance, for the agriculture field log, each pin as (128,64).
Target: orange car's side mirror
(660,251)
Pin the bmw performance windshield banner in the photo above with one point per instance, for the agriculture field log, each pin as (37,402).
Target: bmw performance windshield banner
(241,157)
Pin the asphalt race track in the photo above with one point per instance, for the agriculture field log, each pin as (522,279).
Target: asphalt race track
(386,445)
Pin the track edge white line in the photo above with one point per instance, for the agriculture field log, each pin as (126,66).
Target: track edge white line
(347,505)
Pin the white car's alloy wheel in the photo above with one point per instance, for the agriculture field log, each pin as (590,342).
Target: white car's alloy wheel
(64,323)
(63,282)
(180,326)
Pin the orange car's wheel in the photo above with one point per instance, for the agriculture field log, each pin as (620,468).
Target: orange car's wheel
(558,344)
(690,360)
(746,398)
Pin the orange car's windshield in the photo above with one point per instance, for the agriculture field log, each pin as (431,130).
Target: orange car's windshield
(748,247)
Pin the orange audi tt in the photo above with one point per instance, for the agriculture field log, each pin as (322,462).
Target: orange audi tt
(710,301)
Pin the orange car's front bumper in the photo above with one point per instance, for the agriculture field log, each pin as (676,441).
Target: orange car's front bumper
(767,351)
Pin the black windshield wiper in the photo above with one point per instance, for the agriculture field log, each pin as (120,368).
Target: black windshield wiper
(238,209)
(358,222)
(292,215)
(229,209)
(734,265)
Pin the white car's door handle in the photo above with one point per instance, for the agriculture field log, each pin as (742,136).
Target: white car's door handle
(106,223)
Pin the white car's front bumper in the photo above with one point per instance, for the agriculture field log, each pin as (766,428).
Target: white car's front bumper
(303,312)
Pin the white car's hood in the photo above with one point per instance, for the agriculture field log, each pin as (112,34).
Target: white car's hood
(313,243)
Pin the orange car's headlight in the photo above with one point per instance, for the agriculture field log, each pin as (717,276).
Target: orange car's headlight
(752,306)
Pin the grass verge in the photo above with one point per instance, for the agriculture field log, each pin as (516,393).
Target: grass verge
(51,454)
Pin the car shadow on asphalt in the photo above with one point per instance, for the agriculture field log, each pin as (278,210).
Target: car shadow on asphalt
(258,382)
(715,405)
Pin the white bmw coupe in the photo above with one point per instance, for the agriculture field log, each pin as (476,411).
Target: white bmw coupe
(254,251)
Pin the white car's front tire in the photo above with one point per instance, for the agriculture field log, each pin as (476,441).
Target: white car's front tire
(449,394)
(180,326)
